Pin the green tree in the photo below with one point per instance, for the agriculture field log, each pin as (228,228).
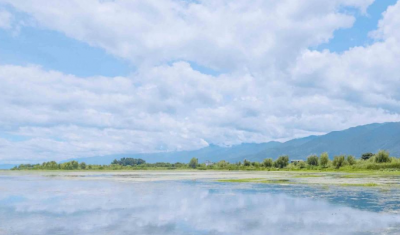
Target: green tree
(83,166)
(338,161)
(193,163)
(366,156)
(351,160)
(75,165)
(301,165)
(268,162)
(312,160)
(382,157)
(281,162)
(222,164)
(324,160)
(246,163)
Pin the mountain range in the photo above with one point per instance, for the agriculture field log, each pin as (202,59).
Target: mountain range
(354,141)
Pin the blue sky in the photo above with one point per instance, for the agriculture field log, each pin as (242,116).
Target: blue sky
(358,34)
(88,78)
(54,51)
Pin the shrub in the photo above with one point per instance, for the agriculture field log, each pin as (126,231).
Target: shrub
(129,161)
(268,162)
(338,161)
(83,166)
(324,160)
(366,156)
(222,164)
(382,157)
(193,163)
(301,165)
(351,160)
(312,160)
(281,162)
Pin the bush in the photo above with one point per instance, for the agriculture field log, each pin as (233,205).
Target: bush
(301,165)
(281,162)
(351,160)
(382,157)
(324,160)
(129,161)
(312,160)
(268,162)
(222,164)
(338,161)
(366,156)
(193,163)
(246,163)
(83,166)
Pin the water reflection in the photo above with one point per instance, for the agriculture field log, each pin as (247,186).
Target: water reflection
(43,205)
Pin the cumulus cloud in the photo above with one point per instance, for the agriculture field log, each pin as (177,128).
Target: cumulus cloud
(389,24)
(164,108)
(224,35)
(269,84)
(367,76)
(5,19)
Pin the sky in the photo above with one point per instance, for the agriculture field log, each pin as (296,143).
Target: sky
(98,77)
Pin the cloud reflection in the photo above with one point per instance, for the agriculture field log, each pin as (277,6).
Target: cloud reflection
(53,206)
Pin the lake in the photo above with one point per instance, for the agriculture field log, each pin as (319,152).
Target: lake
(192,203)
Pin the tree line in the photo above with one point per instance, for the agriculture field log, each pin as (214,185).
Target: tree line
(368,161)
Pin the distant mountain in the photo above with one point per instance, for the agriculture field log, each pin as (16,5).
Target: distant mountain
(210,153)
(354,141)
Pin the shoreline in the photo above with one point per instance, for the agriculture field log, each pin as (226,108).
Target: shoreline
(287,178)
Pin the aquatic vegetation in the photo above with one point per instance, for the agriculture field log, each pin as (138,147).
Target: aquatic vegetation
(257,180)
(278,181)
(360,185)
(308,176)
(246,180)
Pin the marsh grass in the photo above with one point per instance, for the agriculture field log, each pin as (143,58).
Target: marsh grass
(309,176)
(360,185)
(248,180)
(281,181)
(257,180)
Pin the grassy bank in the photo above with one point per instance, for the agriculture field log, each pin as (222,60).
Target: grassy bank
(380,163)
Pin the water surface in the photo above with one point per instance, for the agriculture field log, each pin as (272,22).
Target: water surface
(107,203)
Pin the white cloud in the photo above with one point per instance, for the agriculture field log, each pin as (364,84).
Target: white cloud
(222,34)
(389,25)
(273,87)
(367,76)
(5,19)
(164,108)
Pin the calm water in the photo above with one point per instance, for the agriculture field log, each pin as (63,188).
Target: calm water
(54,205)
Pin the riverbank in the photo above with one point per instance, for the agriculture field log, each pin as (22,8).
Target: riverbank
(376,179)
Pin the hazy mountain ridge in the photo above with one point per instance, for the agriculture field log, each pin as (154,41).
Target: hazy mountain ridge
(209,153)
(353,141)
